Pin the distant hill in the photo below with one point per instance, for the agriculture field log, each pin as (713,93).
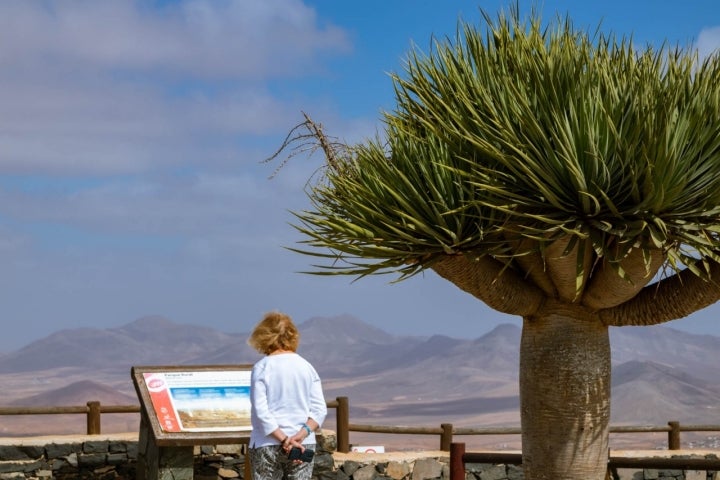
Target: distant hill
(659,374)
(649,393)
(78,393)
(148,340)
(699,354)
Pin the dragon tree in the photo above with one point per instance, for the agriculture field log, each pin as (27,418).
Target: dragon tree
(567,176)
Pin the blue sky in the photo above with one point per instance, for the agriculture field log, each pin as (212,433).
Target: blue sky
(131,137)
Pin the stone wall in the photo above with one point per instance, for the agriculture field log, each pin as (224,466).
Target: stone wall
(437,468)
(115,458)
(104,459)
(65,458)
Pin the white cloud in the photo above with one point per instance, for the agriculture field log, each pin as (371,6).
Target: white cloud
(200,38)
(107,129)
(708,41)
(107,87)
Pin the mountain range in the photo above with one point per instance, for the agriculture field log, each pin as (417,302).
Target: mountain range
(659,374)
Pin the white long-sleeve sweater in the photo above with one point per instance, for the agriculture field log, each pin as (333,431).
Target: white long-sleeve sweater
(285,390)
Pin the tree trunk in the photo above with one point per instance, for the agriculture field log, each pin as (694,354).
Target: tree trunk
(565,396)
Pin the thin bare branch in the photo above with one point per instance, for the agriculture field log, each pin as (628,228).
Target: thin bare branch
(306,138)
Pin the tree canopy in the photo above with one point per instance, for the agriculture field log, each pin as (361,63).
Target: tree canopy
(508,137)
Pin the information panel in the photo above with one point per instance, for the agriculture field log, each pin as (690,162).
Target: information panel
(195,399)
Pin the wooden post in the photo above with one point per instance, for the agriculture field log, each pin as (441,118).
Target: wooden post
(93,418)
(446,437)
(457,464)
(247,468)
(342,413)
(674,436)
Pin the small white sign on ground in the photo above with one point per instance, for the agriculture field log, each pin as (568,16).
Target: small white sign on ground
(368,449)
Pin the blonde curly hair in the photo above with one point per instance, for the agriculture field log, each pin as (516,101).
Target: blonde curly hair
(276,331)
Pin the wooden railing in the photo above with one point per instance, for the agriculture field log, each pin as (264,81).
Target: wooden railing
(93,411)
(458,459)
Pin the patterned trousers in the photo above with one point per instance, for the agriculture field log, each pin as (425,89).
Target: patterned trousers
(272,463)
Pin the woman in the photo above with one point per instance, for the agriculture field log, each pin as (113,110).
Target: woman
(287,402)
